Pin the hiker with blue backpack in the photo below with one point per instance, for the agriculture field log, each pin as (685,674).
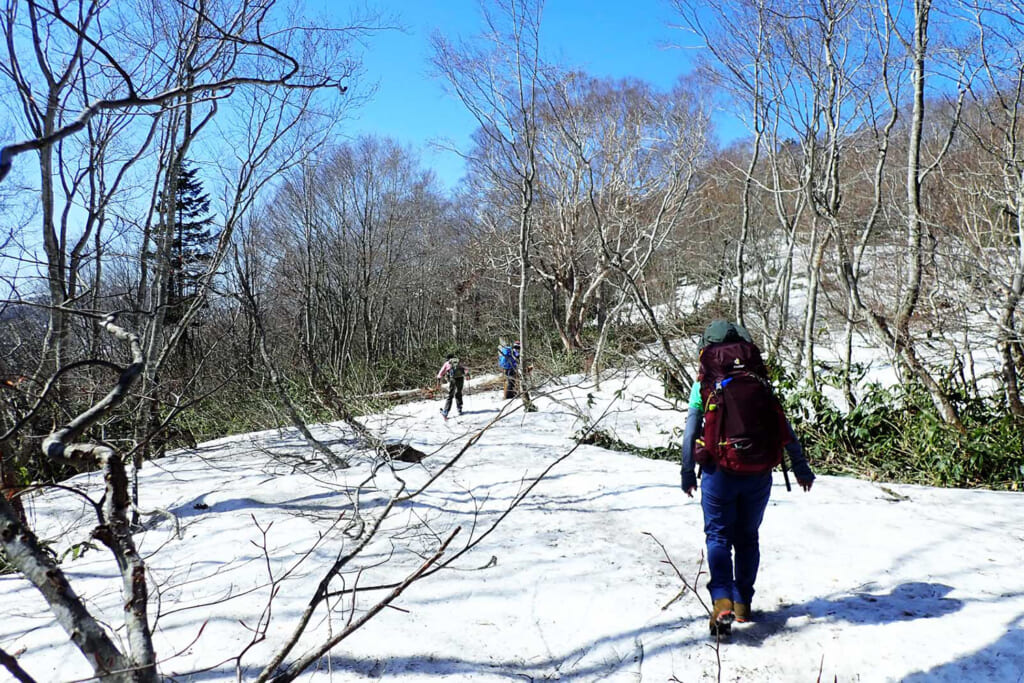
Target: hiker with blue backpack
(736,431)
(455,374)
(508,361)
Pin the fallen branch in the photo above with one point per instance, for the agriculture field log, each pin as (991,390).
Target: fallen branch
(11,664)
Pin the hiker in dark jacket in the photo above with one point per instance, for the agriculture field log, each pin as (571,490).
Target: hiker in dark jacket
(733,504)
(455,374)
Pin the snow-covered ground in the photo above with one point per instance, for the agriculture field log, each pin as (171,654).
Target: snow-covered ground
(859,581)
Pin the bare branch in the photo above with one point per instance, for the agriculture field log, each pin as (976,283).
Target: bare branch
(11,664)
(56,444)
(24,552)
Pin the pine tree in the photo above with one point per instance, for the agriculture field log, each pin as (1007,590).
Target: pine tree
(192,241)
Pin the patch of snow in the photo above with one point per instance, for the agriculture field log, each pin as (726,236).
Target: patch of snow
(859,580)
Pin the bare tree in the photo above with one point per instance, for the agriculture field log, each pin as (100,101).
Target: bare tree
(991,196)
(825,53)
(166,72)
(90,172)
(620,163)
(814,70)
(240,48)
(113,530)
(738,38)
(256,73)
(247,275)
(500,81)
(364,245)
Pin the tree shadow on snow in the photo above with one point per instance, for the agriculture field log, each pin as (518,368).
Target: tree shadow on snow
(619,654)
(480,412)
(609,657)
(592,502)
(198,506)
(1003,660)
(218,673)
(905,602)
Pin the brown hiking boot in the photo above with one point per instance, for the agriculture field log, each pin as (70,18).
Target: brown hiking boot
(721,617)
(741,612)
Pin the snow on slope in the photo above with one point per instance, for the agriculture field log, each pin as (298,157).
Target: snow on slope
(859,580)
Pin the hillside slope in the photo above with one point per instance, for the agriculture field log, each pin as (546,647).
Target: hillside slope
(859,580)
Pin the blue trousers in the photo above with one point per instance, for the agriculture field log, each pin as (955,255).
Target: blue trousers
(733,509)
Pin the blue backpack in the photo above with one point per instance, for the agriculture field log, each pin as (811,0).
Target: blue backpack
(506,360)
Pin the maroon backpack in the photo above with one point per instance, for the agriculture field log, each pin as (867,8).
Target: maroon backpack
(745,429)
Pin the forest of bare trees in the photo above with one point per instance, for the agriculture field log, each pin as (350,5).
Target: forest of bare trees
(190,248)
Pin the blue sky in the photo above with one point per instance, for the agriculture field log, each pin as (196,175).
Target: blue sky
(611,38)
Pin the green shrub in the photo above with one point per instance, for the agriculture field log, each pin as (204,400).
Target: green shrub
(896,434)
(563,363)
(604,439)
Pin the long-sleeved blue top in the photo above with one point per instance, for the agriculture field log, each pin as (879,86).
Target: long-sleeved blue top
(694,417)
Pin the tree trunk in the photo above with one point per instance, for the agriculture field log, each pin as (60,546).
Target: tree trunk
(915,226)
(524,279)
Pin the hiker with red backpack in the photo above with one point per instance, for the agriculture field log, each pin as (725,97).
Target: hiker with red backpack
(736,431)
(455,374)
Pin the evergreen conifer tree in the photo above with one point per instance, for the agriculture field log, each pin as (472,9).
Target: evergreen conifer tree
(192,241)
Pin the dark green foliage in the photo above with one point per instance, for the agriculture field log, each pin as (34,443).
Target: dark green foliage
(895,434)
(238,410)
(243,407)
(632,338)
(562,363)
(673,385)
(192,242)
(603,439)
(76,550)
